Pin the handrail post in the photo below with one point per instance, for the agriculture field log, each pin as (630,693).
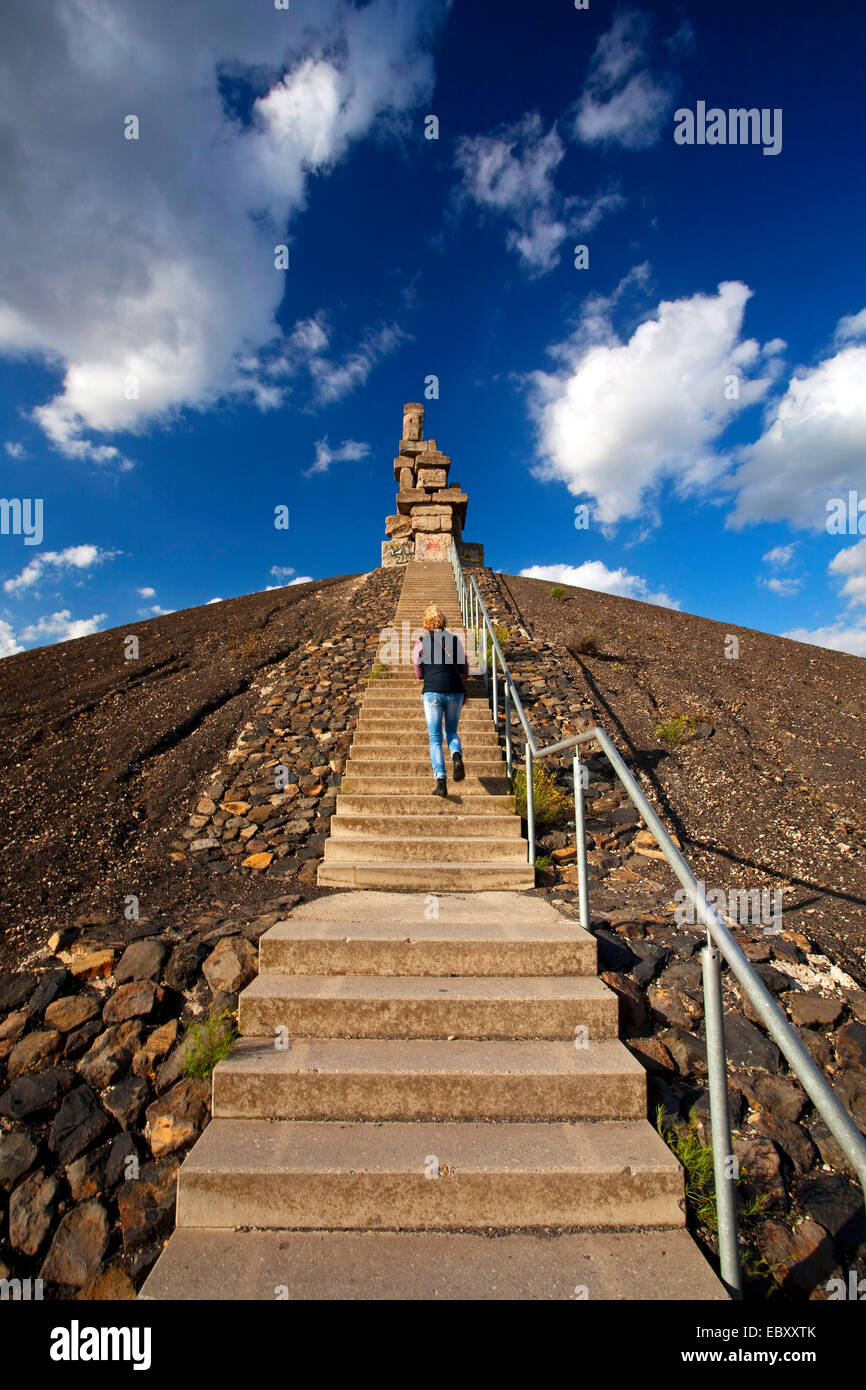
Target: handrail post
(484,655)
(720,1120)
(530,805)
(495,692)
(508,760)
(580,843)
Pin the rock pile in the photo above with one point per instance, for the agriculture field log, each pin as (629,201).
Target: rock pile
(96,1107)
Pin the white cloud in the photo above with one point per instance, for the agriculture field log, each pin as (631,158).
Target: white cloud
(155,611)
(784,588)
(851,562)
(281,571)
(617,419)
(631,118)
(167,270)
(851,326)
(80,557)
(304,351)
(350,450)
(812,447)
(62,627)
(9,644)
(214,600)
(594,574)
(301,579)
(146,593)
(511,172)
(15,451)
(332,380)
(839,637)
(621,106)
(780,555)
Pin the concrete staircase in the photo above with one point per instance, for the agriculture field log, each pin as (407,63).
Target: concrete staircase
(388,830)
(453,1071)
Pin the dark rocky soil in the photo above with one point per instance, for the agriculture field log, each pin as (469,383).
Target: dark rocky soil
(100,756)
(775,795)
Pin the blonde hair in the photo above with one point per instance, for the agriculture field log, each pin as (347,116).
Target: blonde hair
(433,617)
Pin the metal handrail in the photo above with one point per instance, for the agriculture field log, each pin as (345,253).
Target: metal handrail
(720,943)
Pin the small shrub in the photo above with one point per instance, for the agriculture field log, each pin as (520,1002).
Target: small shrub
(375,671)
(551,803)
(209,1043)
(679,728)
(584,644)
(700,1184)
(557,591)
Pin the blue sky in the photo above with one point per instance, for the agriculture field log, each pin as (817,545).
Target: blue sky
(698,388)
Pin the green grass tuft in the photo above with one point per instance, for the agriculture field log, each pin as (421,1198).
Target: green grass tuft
(551,803)
(208,1043)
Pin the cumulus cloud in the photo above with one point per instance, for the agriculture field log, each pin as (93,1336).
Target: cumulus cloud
(15,450)
(167,275)
(847,633)
(9,643)
(615,419)
(623,103)
(283,572)
(839,637)
(146,592)
(812,446)
(851,562)
(349,451)
(52,563)
(851,326)
(61,627)
(510,172)
(594,574)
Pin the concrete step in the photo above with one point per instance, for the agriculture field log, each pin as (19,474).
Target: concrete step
(386,803)
(426,878)
(386,709)
(408,1079)
(385,946)
(428,1006)
(331,1176)
(394,824)
(421,784)
(384,764)
(413,738)
(664,1266)
(421,849)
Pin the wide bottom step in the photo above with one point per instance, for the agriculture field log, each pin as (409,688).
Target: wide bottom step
(335,1266)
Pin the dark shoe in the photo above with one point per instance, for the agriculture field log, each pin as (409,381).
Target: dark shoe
(441,788)
(457,767)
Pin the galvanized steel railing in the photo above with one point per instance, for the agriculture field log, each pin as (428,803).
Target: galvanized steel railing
(720,942)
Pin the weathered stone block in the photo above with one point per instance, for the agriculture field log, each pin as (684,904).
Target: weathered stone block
(432,521)
(431,547)
(432,477)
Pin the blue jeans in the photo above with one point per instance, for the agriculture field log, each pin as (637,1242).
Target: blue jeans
(437,707)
